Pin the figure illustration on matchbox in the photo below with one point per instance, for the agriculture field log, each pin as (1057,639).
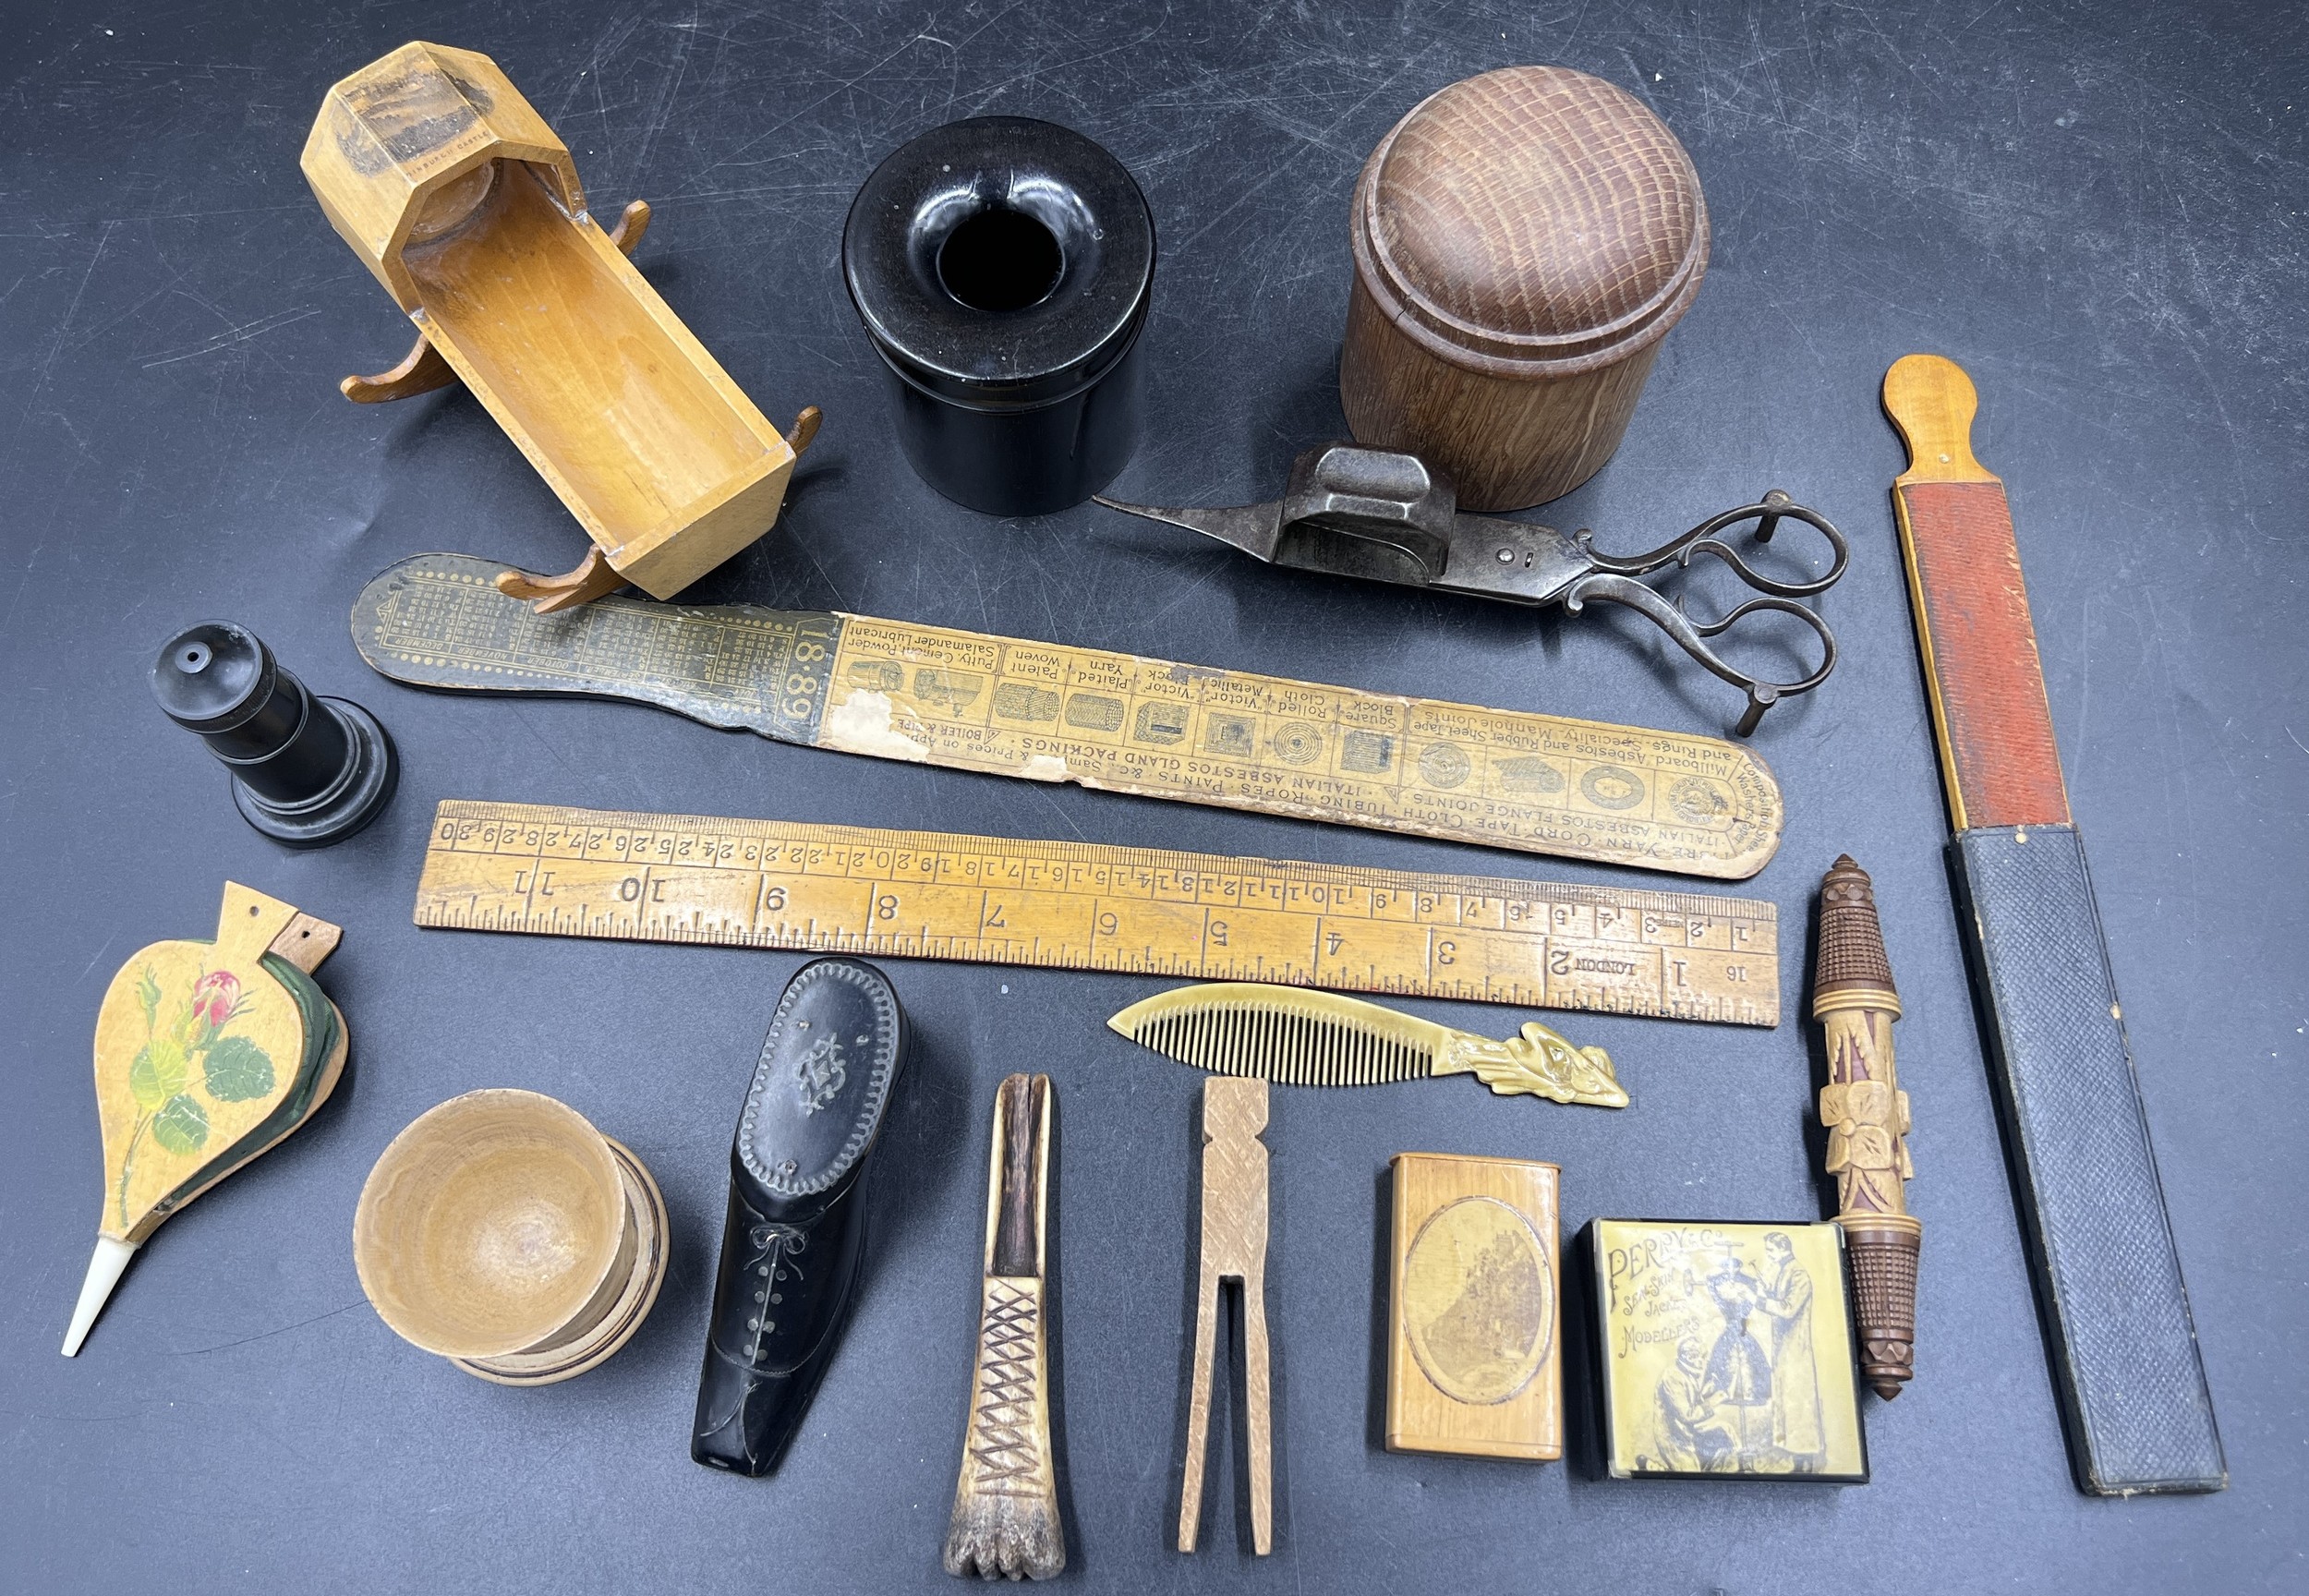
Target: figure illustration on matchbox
(1717,1335)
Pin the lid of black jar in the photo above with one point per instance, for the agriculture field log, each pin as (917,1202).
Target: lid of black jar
(1062,342)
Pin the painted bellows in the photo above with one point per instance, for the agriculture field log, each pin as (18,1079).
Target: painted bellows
(207,1054)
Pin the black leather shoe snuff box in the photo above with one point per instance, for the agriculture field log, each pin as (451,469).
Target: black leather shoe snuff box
(791,1245)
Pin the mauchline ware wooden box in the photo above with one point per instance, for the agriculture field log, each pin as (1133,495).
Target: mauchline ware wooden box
(1474,1360)
(1523,240)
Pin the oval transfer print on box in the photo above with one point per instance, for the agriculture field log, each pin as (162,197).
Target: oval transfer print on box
(1478,1300)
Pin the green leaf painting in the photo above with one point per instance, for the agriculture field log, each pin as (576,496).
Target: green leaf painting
(182,1124)
(235,1070)
(159,1072)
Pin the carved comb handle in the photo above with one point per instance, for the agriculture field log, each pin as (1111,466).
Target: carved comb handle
(1540,1063)
(1006,1501)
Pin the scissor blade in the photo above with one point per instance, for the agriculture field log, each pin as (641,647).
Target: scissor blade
(1253,529)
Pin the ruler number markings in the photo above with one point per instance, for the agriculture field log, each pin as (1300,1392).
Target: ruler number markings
(1077,905)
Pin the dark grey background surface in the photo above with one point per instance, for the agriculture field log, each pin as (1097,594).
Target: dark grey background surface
(2096,209)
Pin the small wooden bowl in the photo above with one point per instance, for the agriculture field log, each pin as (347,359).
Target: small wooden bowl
(502,1231)
(583,1347)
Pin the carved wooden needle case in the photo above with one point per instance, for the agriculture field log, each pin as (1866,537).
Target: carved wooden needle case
(1473,1308)
(1523,241)
(461,200)
(1866,1115)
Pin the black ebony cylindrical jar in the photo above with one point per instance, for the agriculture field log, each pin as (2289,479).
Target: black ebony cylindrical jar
(1002,267)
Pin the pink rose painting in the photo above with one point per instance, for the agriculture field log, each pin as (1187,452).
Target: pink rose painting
(215,999)
(231,1069)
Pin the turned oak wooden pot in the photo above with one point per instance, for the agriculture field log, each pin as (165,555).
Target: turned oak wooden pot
(1523,240)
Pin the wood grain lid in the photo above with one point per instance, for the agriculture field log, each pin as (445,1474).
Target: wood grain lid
(1530,221)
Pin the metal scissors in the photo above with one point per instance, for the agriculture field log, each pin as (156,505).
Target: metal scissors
(1388,517)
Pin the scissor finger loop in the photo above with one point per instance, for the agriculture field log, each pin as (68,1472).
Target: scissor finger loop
(1691,636)
(1767,513)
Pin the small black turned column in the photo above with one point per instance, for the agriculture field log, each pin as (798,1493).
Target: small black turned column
(307,770)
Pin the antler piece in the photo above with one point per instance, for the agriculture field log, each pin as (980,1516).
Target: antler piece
(1006,1500)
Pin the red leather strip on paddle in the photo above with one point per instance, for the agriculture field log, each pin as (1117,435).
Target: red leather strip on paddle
(1988,686)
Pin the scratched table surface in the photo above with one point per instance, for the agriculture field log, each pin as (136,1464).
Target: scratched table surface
(2094,207)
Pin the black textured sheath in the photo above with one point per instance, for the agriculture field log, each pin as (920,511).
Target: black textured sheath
(791,1245)
(2130,1377)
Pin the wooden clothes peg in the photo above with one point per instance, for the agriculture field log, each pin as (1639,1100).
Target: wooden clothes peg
(461,200)
(207,1054)
(1234,1248)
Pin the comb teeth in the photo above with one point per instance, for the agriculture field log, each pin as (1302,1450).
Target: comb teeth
(1293,1050)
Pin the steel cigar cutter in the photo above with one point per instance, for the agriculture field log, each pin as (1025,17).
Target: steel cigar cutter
(1388,517)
